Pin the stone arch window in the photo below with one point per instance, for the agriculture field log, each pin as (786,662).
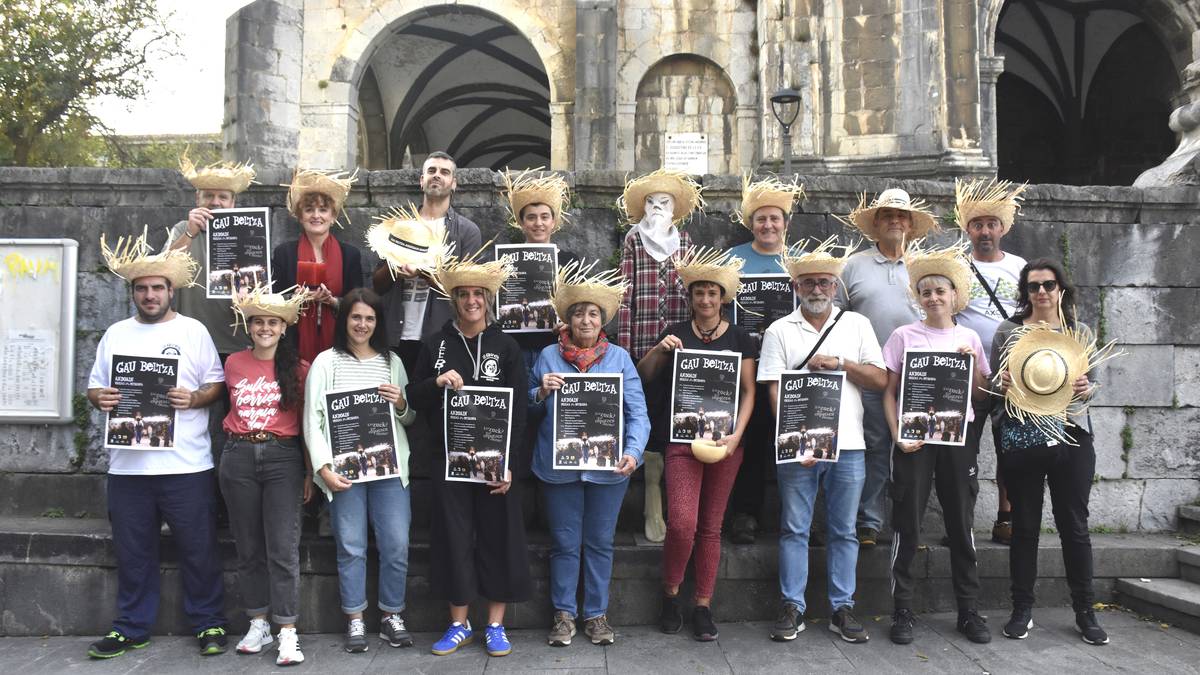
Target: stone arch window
(1086,92)
(686,93)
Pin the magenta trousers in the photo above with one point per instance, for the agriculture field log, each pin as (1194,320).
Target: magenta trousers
(696,497)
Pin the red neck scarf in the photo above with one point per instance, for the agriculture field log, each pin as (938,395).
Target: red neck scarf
(580,357)
(316,338)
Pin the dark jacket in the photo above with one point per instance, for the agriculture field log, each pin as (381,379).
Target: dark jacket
(500,364)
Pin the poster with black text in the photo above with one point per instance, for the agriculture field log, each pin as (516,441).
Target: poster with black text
(523,303)
(704,394)
(768,297)
(810,409)
(589,424)
(361,425)
(935,396)
(239,252)
(143,418)
(478,426)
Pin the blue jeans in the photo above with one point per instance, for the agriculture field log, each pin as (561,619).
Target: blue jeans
(582,516)
(843,482)
(878,461)
(386,504)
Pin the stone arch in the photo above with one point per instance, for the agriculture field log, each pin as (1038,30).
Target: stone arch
(686,93)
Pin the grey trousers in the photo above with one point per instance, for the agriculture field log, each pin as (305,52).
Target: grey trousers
(262,484)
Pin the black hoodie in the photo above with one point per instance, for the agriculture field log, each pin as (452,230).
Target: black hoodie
(490,359)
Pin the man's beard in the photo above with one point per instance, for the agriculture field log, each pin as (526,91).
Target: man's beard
(815,306)
(154,318)
(436,191)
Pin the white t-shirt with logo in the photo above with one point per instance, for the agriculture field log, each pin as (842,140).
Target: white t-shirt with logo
(199,364)
(981,314)
(414,297)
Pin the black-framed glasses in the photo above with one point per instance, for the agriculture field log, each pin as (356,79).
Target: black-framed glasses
(823,284)
(1035,286)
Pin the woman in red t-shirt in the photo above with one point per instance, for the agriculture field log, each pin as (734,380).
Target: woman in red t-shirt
(264,471)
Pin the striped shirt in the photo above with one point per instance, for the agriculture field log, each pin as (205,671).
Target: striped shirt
(351,373)
(654,299)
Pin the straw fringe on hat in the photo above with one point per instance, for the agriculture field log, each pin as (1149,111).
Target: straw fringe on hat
(798,262)
(260,301)
(402,237)
(333,184)
(701,263)
(987,198)
(131,259)
(950,262)
(230,176)
(577,283)
(767,192)
(676,183)
(863,216)
(453,272)
(531,187)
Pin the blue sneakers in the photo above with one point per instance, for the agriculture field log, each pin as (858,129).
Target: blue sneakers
(456,636)
(496,640)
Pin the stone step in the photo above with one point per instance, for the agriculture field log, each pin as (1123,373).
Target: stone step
(1189,564)
(1189,519)
(58,578)
(1175,601)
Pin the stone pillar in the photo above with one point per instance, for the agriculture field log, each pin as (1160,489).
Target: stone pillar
(1183,166)
(263,45)
(990,68)
(595,114)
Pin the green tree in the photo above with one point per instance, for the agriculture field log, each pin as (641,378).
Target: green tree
(56,56)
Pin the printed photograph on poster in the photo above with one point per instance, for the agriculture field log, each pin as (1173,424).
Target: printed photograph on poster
(589,422)
(768,297)
(523,303)
(810,408)
(143,418)
(361,426)
(935,395)
(239,251)
(478,428)
(704,394)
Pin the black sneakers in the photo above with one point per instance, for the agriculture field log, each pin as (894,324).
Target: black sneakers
(212,641)
(843,623)
(789,624)
(1019,623)
(115,644)
(902,626)
(1089,628)
(670,619)
(703,628)
(974,627)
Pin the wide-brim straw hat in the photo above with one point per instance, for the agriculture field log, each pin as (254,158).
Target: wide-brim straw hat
(675,183)
(453,272)
(863,217)
(532,187)
(230,176)
(767,192)
(131,259)
(701,263)
(260,301)
(403,237)
(332,184)
(797,262)
(950,262)
(707,451)
(577,283)
(1001,200)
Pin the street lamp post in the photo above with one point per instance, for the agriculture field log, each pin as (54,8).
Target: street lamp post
(785,103)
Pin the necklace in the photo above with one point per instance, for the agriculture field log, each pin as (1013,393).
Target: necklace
(706,336)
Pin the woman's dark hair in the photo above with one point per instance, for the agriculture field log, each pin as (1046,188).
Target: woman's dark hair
(287,374)
(341,335)
(1025,306)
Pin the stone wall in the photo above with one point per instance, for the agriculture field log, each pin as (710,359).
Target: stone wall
(1130,250)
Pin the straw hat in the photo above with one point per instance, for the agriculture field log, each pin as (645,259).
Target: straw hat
(530,187)
(576,283)
(332,184)
(219,176)
(978,198)
(403,237)
(767,192)
(708,451)
(798,262)
(131,259)
(675,183)
(452,272)
(260,301)
(863,217)
(950,262)
(701,263)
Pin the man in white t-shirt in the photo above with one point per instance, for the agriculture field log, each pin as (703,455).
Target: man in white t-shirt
(985,211)
(173,482)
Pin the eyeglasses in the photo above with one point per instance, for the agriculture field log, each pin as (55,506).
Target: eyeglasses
(1036,286)
(823,284)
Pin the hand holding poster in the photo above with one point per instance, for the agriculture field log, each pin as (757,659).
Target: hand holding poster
(239,251)
(935,396)
(143,418)
(361,427)
(523,303)
(704,394)
(810,407)
(588,409)
(477,426)
(768,297)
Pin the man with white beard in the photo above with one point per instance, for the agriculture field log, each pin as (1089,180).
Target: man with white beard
(655,205)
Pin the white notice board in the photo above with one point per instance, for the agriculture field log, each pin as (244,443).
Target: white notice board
(686,152)
(37,329)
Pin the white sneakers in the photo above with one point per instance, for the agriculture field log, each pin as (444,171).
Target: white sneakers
(259,636)
(289,648)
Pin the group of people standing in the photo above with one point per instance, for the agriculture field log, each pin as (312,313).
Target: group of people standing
(428,325)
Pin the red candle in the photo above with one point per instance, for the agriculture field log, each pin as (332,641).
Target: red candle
(311,274)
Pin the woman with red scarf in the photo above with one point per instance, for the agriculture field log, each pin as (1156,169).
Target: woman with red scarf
(328,268)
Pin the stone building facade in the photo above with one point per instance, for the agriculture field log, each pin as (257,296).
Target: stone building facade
(1067,91)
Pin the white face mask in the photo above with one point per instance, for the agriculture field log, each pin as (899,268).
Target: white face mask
(660,237)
